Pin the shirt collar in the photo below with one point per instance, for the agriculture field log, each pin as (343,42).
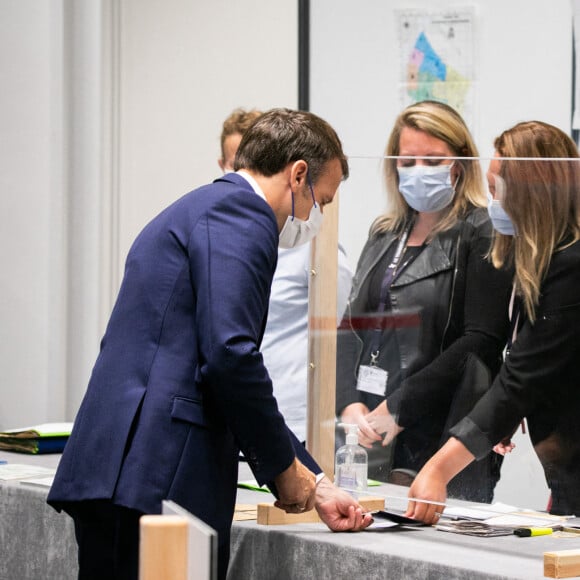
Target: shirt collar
(257,189)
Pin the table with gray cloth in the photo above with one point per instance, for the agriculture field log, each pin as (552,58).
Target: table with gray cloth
(37,543)
(309,551)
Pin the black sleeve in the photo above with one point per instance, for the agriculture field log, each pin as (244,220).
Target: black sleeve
(541,375)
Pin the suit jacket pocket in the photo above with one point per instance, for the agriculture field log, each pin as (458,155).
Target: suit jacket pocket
(189,410)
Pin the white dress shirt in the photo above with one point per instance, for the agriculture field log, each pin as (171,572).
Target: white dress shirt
(285,342)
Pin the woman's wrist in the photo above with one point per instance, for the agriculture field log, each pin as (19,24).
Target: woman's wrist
(452,458)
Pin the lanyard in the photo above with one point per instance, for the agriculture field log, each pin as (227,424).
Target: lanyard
(514,316)
(514,311)
(390,276)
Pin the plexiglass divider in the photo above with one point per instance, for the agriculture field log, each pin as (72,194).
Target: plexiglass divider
(347,221)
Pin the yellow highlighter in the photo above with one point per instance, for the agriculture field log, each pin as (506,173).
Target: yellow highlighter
(527,532)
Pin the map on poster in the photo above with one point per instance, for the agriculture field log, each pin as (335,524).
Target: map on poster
(436,58)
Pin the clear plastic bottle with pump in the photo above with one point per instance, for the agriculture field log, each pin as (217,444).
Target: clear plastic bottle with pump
(351,463)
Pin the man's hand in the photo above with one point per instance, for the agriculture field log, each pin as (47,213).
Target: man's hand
(381,421)
(339,510)
(296,486)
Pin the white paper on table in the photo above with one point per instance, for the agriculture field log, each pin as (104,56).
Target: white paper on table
(382,524)
(479,511)
(533,519)
(11,471)
(40,481)
(499,514)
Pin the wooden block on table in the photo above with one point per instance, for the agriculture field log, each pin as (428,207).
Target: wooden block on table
(245,516)
(270,515)
(245,511)
(245,507)
(562,564)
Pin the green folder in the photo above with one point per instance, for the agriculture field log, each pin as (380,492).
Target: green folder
(43,438)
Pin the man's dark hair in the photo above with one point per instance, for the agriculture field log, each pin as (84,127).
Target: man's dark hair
(282,136)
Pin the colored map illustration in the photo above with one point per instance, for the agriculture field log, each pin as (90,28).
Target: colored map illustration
(436,51)
(428,77)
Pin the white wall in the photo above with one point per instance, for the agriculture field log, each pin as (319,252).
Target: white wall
(109,110)
(183,71)
(33,210)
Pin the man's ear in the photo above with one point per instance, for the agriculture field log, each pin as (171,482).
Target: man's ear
(298,173)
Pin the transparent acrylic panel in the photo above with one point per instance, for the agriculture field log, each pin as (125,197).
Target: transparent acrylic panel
(441,335)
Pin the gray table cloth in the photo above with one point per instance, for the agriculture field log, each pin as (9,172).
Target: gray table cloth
(37,543)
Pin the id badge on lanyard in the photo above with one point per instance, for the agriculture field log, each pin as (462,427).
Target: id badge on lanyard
(372,379)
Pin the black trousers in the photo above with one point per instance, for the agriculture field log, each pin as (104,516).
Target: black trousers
(108,540)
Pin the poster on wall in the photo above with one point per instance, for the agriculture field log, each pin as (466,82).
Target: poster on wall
(436,55)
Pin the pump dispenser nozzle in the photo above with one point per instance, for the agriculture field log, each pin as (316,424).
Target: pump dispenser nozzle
(351,432)
(351,462)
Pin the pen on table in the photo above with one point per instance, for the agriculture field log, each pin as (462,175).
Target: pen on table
(570,530)
(365,492)
(3,461)
(527,532)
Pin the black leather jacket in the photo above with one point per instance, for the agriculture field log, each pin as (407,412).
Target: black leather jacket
(449,302)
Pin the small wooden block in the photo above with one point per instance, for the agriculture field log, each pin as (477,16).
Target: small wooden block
(371,504)
(245,507)
(562,564)
(270,515)
(245,516)
(245,511)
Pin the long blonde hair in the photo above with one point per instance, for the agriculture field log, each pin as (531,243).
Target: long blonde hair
(543,201)
(443,122)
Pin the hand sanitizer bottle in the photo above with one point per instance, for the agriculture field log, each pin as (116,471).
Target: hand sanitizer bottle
(351,463)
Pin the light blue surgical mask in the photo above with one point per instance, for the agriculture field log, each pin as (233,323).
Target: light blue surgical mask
(500,220)
(426,188)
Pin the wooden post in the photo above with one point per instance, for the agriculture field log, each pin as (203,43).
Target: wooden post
(163,548)
(322,341)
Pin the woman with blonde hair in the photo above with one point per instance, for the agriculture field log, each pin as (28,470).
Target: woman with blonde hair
(534,206)
(427,308)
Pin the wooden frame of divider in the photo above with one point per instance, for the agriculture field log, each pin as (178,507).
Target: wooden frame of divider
(322,341)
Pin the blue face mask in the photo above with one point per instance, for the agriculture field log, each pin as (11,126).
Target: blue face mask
(426,188)
(500,220)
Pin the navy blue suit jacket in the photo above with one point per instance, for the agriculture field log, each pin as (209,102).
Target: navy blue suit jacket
(179,385)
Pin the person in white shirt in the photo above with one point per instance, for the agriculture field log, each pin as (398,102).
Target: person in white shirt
(285,342)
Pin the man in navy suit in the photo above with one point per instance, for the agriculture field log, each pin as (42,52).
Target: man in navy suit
(179,386)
